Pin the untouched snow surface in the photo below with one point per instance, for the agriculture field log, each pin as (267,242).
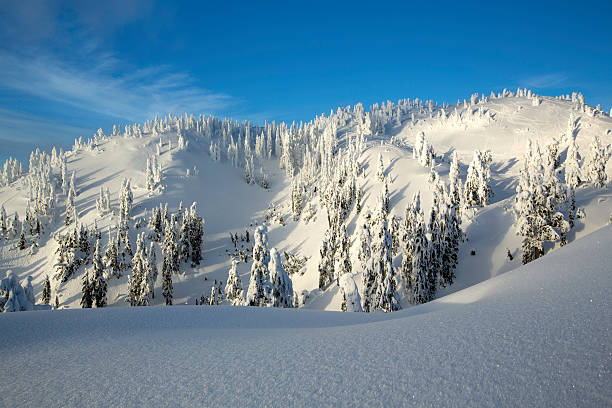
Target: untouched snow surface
(535,336)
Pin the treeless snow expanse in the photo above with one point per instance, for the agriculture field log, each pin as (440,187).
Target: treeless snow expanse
(535,336)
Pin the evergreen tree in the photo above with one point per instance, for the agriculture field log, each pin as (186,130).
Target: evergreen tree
(326,264)
(351,301)
(282,287)
(22,241)
(233,288)
(111,258)
(98,280)
(382,263)
(46,293)
(87,292)
(572,164)
(258,293)
(70,210)
(3,222)
(380,172)
(342,259)
(419,279)
(196,235)
(454,188)
(150,275)
(595,163)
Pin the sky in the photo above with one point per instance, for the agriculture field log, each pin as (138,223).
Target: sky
(70,67)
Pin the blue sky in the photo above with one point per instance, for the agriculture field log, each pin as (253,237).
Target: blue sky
(69,67)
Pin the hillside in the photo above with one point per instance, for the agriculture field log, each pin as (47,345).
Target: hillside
(194,154)
(535,336)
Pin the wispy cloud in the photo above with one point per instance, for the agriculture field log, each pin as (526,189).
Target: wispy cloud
(544,81)
(103,88)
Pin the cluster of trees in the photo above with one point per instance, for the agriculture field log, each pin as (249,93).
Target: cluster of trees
(10,172)
(477,190)
(16,296)
(269,284)
(545,207)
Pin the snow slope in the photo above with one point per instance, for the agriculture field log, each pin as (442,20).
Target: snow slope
(228,204)
(536,336)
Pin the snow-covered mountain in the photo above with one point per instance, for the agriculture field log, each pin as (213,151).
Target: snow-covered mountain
(291,178)
(355,210)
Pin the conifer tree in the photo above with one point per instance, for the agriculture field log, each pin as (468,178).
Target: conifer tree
(258,293)
(382,263)
(342,259)
(282,287)
(572,164)
(233,288)
(380,172)
(419,279)
(46,293)
(98,279)
(196,235)
(595,163)
(86,290)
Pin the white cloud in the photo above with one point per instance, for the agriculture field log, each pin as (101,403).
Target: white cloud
(98,85)
(544,81)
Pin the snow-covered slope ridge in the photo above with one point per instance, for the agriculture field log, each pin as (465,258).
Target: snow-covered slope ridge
(292,173)
(536,336)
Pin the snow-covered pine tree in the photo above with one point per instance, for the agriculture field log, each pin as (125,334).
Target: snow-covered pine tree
(382,263)
(342,259)
(282,287)
(327,252)
(477,190)
(453,235)
(196,235)
(15,298)
(258,293)
(70,209)
(572,164)
(380,171)
(98,280)
(29,291)
(136,280)
(126,199)
(351,301)
(148,292)
(233,288)
(419,280)
(184,248)
(87,292)
(296,198)
(170,264)
(595,163)
(454,188)
(3,222)
(46,292)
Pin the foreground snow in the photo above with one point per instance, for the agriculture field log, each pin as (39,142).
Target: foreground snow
(536,336)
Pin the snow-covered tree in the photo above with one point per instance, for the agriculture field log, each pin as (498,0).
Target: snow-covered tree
(98,279)
(282,287)
(14,297)
(351,301)
(477,190)
(380,172)
(342,259)
(86,291)
(572,164)
(46,292)
(258,293)
(233,288)
(595,163)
